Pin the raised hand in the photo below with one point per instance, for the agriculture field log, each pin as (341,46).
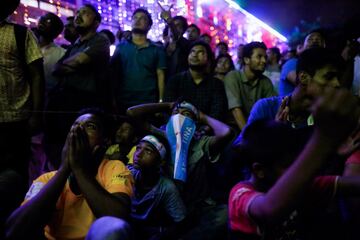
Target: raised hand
(283,111)
(165,14)
(336,114)
(79,149)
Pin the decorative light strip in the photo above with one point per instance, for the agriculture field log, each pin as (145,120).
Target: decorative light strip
(236,6)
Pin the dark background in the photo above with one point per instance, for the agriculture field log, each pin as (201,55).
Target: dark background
(284,15)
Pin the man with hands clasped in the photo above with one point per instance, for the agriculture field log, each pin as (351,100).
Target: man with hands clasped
(64,203)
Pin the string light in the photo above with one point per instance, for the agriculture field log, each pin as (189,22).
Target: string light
(224,20)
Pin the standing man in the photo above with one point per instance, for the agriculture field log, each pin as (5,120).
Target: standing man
(49,27)
(138,66)
(178,47)
(21,105)
(244,87)
(81,70)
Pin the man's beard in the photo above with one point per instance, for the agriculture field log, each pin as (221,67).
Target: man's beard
(198,68)
(81,30)
(139,31)
(257,72)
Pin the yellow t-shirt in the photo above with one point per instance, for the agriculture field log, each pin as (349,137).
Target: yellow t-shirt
(113,149)
(73,216)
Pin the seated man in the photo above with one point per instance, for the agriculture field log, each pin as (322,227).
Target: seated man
(157,209)
(208,218)
(317,69)
(123,141)
(63,204)
(245,86)
(197,85)
(285,191)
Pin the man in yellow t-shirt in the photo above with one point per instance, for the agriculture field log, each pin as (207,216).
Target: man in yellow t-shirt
(86,187)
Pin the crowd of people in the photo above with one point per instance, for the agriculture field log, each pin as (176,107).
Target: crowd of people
(173,139)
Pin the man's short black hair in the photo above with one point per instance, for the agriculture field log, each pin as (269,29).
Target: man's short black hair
(271,143)
(183,22)
(97,14)
(223,44)
(57,25)
(7,7)
(205,35)
(311,60)
(109,35)
(143,10)
(248,48)
(196,27)
(320,31)
(208,49)
(232,66)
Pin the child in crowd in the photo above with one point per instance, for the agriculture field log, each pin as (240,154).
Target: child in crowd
(192,173)
(157,210)
(123,141)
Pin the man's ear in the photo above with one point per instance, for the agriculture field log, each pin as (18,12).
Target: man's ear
(258,170)
(97,24)
(246,60)
(304,78)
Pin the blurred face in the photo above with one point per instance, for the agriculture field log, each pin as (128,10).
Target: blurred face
(206,39)
(323,78)
(198,56)
(70,32)
(146,157)
(314,40)
(221,49)
(45,23)
(92,127)
(179,27)
(192,34)
(271,56)
(140,22)
(125,134)
(85,20)
(257,61)
(223,65)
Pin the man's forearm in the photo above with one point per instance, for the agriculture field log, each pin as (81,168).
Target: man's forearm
(101,202)
(239,117)
(161,83)
(32,217)
(289,188)
(71,64)
(143,110)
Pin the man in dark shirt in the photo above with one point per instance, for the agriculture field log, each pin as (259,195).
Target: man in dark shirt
(82,83)
(196,85)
